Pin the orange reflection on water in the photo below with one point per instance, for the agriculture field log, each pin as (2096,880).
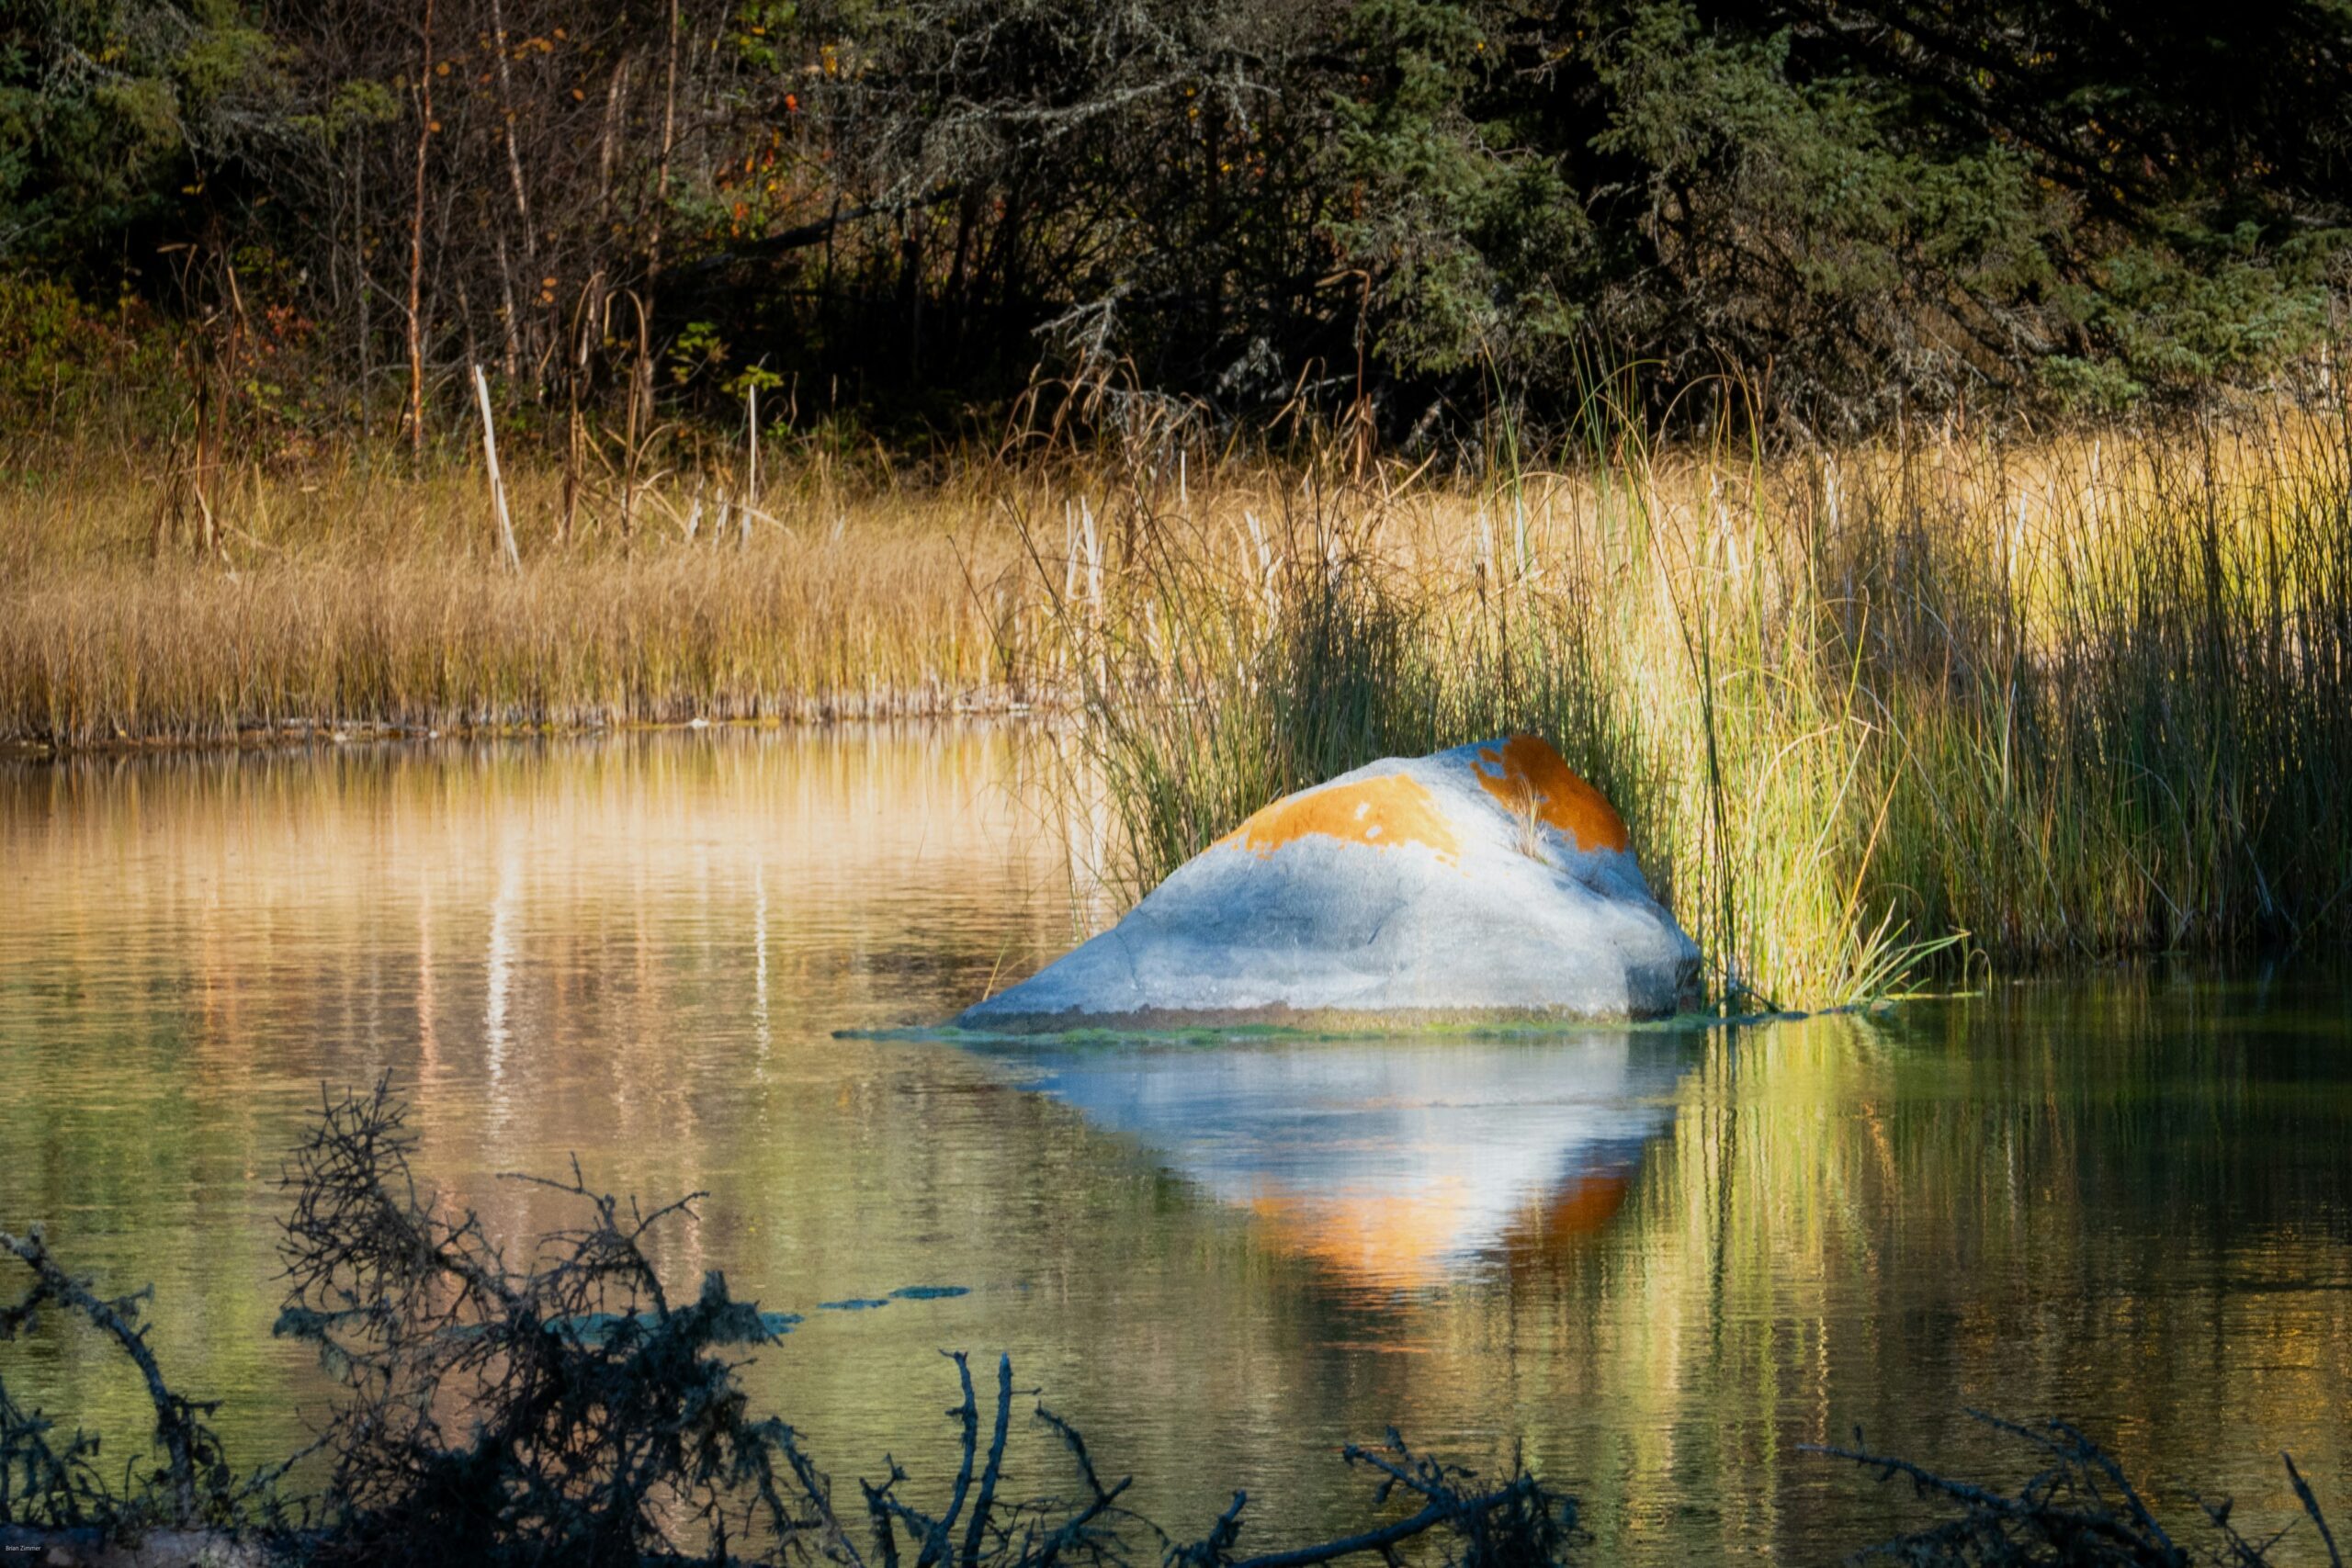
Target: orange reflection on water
(1417,1240)
(1393,1164)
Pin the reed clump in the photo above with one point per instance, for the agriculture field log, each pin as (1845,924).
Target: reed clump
(1908,703)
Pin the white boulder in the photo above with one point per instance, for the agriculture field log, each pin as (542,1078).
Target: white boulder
(1487,883)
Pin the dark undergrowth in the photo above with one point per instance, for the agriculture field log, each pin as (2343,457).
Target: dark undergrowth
(570,1410)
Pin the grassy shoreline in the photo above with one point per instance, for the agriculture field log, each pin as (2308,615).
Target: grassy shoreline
(1937,701)
(363,596)
(1941,703)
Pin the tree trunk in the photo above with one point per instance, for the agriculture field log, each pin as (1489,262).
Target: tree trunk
(668,143)
(502,535)
(517,351)
(416,244)
(507,316)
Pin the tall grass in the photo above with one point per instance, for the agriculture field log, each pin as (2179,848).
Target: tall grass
(1935,698)
(1862,710)
(347,594)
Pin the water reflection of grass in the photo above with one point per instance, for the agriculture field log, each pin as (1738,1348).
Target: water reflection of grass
(561,1401)
(200,940)
(2117,1201)
(2123,1199)
(1731,1257)
(2033,1203)
(2112,1204)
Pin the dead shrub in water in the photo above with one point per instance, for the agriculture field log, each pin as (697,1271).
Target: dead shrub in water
(570,1411)
(56,1483)
(2078,1510)
(600,1414)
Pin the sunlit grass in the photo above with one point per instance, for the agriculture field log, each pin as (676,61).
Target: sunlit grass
(1934,699)
(1863,711)
(354,594)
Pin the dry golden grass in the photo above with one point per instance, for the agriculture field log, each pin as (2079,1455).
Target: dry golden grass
(2087,695)
(352,597)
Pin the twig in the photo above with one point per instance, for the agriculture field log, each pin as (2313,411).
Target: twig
(1370,1540)
(978,1524)
(968,1415)
(175,1423)
(2310,1505)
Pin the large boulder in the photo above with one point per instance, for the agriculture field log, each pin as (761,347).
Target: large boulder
(1483,883)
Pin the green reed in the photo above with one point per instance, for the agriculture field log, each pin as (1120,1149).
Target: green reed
(1897,707)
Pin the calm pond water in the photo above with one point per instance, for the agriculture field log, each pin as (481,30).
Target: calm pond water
(1659,1261)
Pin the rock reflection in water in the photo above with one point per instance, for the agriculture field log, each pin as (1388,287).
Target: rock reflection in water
(1397,1164)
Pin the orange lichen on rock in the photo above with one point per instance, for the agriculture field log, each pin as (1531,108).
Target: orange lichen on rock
(1390,809)
(1530,775)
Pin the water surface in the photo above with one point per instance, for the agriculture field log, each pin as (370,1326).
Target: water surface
(1658,1262)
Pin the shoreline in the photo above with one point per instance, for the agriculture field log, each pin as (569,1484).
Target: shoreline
(300,736)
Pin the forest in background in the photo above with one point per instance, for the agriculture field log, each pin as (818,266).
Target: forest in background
(269,223)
